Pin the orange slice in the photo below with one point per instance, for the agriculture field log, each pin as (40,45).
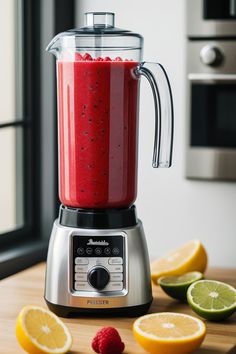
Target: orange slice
(169,333)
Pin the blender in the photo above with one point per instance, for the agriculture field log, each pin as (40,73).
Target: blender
(97,258)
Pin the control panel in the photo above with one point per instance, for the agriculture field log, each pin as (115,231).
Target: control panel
(98,263)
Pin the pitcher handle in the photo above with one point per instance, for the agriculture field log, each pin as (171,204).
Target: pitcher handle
(164,112)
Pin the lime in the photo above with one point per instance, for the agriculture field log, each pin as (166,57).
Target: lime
(177,286)
(212,299)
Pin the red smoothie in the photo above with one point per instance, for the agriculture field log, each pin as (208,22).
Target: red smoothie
(98,112)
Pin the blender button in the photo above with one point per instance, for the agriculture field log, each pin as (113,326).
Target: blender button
(116,277)
(79,260)
(79,285)
(89,250)
(81,276)
(80,251)
(81,269)
(107,250)
(101,261)
(115,268)
(98,251)
(115,260)
(115,251)
(114,286)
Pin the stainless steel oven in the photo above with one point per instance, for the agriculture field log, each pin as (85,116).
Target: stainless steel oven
(211,18)
(211,95)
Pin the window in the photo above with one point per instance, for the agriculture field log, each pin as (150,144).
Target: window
(28,128)
(12,122)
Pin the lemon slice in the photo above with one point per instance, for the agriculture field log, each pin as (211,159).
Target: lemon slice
(188,258)
(169,333)
(40,331)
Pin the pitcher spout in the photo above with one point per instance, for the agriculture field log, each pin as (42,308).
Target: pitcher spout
(54,46)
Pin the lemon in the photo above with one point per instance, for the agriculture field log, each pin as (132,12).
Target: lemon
(40,331)
(169,333)
(188,258)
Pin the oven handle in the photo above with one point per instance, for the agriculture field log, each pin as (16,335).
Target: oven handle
(212,77)
(232,8)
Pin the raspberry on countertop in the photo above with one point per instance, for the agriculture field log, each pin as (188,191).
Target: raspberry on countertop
(108,341)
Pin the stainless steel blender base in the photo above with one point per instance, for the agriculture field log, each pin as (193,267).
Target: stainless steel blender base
(67,295)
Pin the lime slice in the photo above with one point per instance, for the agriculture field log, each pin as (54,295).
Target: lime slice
(177,286)
(212,299)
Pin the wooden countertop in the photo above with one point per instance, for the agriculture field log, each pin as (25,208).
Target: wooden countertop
(27,287)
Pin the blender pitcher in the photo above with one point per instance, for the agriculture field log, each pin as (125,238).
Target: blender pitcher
(98,75)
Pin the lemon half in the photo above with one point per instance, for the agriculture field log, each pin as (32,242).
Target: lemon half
(189,258)
(40,331)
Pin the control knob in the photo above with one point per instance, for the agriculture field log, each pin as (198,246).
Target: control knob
(98,277)
(210,55)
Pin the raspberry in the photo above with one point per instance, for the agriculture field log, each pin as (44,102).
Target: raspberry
(99,59)
(108,341)
(95,344)
(87,56)
(118,59)
(107,59)
(78,56)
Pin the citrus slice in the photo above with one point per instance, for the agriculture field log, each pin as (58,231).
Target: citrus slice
(40,331)
(190,257)
(169,333)
(212,299)
(176,286)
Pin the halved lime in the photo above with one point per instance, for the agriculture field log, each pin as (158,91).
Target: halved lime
(176,286)
(212,299)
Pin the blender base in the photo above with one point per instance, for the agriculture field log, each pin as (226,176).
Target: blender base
(132,311)
(98,271)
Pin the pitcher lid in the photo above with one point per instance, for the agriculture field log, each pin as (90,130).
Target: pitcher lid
(97,25)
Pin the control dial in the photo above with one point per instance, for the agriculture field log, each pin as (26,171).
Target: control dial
(212,56)
(98,277)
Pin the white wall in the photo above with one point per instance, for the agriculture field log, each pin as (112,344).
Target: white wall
(172,208)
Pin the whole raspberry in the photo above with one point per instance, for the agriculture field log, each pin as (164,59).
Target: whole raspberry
(108,341)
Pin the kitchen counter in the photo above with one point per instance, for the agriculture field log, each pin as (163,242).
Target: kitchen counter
(27,287)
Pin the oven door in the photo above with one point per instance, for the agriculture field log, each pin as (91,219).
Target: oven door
(211,152)
(209,18)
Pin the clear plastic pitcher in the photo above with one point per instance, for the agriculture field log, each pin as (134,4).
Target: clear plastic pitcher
(98,75)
